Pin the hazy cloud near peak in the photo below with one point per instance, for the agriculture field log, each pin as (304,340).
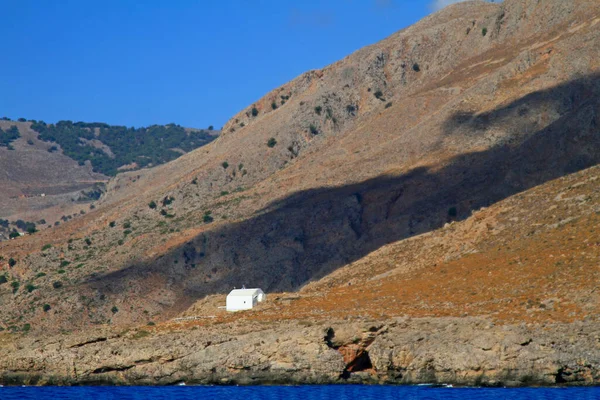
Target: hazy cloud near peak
(436,5)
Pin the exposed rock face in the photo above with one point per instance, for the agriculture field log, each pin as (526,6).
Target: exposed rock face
(463,351)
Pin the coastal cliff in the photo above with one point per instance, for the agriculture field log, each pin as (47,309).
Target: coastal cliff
(458,351)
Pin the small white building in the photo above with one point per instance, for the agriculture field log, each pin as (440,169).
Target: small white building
(244,299)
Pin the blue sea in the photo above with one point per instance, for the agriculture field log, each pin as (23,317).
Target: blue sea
(295,393)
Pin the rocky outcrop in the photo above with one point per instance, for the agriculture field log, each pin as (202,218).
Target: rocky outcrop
(462,351)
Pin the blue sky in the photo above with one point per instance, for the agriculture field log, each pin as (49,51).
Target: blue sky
(195,63)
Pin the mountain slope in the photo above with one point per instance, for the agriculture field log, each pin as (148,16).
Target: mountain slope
(52,172)
(416,131)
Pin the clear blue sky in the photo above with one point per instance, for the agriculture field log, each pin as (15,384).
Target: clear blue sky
(195,63)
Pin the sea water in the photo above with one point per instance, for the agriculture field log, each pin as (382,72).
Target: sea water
(334,392)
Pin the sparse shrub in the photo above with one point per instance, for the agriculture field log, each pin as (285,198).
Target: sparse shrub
(416,67)
(30,142)
(12,262)
(15,286)
(272,142)
(378,94)
(40,275)
(26,327)
(484,32)
(350,108)
(163,212)
(168,200)
(127,225)
(120,242)
(241,166)
(30,287)
(46,307)
(318,109)
(64,263)
(126,232)
(46,247)
(114,309)
(152,205)
(313,129)
(452,212)
(254,111)
(195,181)
(88,241)
(224,193)
(388,105)
(150,323)
(61,271)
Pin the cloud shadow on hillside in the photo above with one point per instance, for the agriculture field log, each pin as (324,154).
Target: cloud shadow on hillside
(311,233)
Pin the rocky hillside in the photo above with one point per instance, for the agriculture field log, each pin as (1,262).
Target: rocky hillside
(443,172)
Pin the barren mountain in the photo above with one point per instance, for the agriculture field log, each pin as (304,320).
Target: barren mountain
(445,172)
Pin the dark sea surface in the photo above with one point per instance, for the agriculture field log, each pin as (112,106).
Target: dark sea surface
(295,393)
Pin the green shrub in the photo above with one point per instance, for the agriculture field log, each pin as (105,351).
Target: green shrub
(12,262)
(152,204)
(88,241)
(64,263)
(318,109)
(30,287)
(225,165)
(224,193)
(416,67)
(254,111)
(14,234)
(207,218)
(61,271)
(484,31)
(388,105)
(46,247)
(271,142)
(378,94)
(46,307)
(15,286)
(127,225)
(313,129)
(3,279)
(26,327)
(114,309)
(452,212)
(112,224)
(274,106)
(57,284)
(40,274)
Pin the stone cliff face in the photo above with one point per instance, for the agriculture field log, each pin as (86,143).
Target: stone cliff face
(461,351)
